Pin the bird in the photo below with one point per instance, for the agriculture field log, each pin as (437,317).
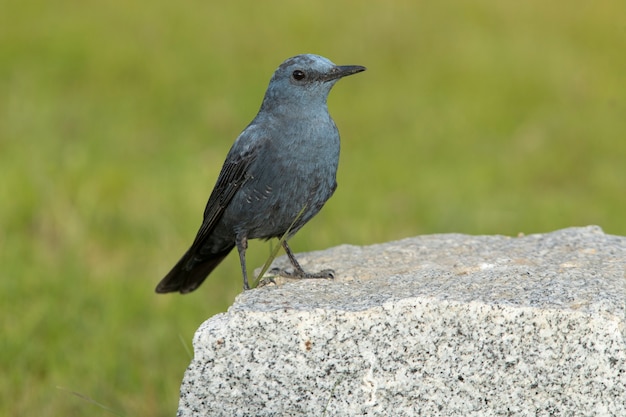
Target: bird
(278,174)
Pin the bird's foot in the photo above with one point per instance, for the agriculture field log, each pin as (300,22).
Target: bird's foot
(300,273)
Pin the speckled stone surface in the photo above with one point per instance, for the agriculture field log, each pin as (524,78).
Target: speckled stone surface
(440,325)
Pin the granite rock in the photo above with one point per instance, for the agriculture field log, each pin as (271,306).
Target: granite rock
(439,325)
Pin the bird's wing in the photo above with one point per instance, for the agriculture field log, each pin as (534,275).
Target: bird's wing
(233,175)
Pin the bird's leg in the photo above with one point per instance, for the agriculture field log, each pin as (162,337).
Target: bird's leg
(298,272)
(242,245)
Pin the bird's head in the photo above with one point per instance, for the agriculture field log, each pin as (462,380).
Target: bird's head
(305,79)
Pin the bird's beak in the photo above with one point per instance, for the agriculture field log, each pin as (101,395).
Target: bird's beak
(340,71)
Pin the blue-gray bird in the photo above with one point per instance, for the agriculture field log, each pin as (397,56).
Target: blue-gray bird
(278,174)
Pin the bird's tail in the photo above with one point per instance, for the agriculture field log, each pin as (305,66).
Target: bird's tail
(186,276)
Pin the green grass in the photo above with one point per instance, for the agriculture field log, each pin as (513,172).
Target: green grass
(482,117)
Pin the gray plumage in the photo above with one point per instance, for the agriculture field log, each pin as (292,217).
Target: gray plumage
(284,161)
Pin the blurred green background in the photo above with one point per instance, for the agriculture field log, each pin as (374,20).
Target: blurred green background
(484,117)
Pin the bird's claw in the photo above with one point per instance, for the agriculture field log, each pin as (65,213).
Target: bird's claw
(266,280)
(324,274)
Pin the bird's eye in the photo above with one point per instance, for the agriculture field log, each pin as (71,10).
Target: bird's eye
(298,75)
